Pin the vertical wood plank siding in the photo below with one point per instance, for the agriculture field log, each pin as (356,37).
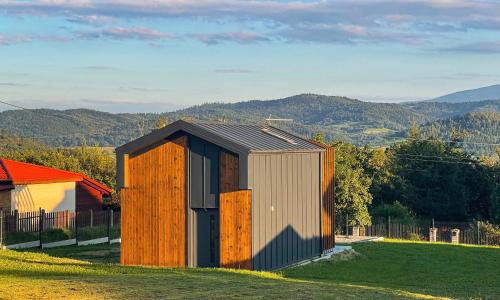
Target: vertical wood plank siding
(328,210)
(229,173)
(236,229)
(235,216)
(286,208)
(154,207)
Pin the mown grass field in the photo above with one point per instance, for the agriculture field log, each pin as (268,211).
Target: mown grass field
(383,270)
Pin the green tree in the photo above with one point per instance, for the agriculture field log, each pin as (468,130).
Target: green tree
(162,122)
(352,184)
(319,137)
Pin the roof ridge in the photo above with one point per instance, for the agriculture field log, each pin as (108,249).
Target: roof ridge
(289,133)
(6,171)
(96,183)
(40,166)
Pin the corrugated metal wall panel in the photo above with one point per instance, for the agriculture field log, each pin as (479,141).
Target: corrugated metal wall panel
(286,207)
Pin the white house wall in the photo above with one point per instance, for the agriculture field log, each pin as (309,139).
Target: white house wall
(51,197)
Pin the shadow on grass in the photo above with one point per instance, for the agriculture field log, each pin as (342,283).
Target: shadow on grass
(385,270)
(136,282)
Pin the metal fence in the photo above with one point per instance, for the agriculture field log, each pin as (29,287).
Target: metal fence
(469,232)
(25,229)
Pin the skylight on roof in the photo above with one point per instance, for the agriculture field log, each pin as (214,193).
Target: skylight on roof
(266,130)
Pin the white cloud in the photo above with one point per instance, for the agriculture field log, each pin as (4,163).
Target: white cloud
(120,33)
(341,21)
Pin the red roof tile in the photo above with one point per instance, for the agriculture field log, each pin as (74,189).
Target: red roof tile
(4,176)
(24,173)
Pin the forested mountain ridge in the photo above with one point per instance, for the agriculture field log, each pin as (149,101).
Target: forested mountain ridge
(72,127)
(336,117)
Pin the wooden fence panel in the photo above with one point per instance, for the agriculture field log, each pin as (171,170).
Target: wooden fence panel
(154,207)
(236,229)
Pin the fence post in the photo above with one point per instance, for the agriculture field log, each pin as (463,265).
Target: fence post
(109,224)
(16,220)
(1,228)
(478,234)
(112,217)
(389,227)
(41,217)
(91,218)
(76,226)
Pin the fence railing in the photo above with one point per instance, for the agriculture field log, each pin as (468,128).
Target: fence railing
(469,232)
(40,227)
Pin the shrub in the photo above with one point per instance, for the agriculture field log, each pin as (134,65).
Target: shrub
(57,234)
(100,231)
(414,237)
(396,210)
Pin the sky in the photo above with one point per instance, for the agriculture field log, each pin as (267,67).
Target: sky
(162,55)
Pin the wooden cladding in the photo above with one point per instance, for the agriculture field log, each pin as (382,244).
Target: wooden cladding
(154,207)
(328,210)
(236,230)
(229,172)
(235,208)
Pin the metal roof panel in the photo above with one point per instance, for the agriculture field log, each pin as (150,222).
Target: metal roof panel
(255,138)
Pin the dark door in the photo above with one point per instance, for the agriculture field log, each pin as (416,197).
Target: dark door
(204,202)
(207,238)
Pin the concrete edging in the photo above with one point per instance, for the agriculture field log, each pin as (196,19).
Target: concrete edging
(59,243)
(116,241)
(35,244)
(26,245)
(93,241)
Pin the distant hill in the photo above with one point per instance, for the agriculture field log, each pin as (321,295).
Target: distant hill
(336,117)
(71,127)
(480,94)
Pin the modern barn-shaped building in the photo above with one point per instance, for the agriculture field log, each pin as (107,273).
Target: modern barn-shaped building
(210,195)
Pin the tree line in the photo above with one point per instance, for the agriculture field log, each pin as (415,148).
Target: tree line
(422,176)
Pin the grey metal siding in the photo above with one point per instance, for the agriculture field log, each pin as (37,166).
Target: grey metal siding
(286,208)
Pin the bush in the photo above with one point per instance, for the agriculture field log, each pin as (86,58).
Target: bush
(12,238)
(414,237)
(57,234)
(90,233)
(397,212)
(490,233)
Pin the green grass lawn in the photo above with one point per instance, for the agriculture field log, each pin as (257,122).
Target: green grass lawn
(384,270)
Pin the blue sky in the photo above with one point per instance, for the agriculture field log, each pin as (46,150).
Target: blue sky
(127,55)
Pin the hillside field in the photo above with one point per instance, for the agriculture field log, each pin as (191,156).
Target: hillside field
(382,270)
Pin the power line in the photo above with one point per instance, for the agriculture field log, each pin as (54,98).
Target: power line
(447,141)
(14,105)
(441,161)
(431,156)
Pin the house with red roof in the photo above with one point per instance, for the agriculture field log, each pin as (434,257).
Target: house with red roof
(27,187)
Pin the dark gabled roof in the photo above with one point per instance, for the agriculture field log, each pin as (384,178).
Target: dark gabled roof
(260,138)
(236,138)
